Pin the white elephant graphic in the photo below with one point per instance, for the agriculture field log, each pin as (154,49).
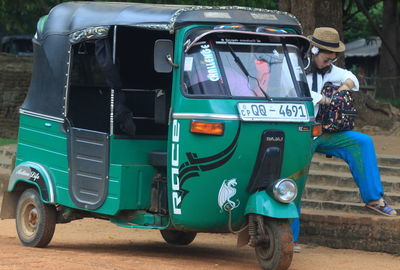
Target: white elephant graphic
(226,192)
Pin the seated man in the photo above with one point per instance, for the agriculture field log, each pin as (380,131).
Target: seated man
(122,114)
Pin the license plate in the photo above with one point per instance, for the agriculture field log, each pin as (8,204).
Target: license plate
(273,112)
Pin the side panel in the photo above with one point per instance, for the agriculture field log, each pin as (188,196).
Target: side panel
(131,185)
(43,142)
(131,175)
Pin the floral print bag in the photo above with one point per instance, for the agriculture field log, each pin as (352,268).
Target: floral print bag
(339,114)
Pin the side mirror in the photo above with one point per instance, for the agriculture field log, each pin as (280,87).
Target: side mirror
(163,55)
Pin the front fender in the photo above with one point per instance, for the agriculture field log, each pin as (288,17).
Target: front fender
(262,203)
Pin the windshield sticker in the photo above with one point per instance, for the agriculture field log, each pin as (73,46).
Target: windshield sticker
(211,63)
(230,27)
(217,15)
(263,16)
(188,64)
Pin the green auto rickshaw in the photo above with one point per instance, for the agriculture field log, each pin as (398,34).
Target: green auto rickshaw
(183,119)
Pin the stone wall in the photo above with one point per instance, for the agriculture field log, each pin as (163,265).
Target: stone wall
(7,157)
(370,233)
(375,117)
(15,75)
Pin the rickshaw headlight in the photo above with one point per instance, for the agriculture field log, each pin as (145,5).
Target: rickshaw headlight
(285,190)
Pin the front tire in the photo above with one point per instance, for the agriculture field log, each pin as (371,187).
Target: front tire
(35,221)
(178,237)
(277,254)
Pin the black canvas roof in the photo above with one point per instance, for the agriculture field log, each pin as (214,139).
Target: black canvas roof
(73,16)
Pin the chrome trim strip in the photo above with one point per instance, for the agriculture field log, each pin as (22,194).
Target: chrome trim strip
(215,116)
(240,32)
(42,116)
(112,93)
(67,84)
(205,116)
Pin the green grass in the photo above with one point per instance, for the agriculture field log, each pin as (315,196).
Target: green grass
(5,141)
(395,101)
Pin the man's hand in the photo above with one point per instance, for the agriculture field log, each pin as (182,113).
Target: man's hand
(346,85)
(325,100)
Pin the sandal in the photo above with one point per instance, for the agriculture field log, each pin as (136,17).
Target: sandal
(296,248)
(385,210)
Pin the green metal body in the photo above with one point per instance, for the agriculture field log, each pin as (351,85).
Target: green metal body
(193,203)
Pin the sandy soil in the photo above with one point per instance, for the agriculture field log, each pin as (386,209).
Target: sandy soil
(387,145)
(97,244)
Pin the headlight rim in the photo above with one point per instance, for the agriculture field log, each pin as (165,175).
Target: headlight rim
(275,190)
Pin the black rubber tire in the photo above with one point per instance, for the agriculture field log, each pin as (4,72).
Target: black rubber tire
(178,237)
(278,253)
(35,221)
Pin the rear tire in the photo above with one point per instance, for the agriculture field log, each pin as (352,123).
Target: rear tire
(178,237)
(35,221)
(278,253)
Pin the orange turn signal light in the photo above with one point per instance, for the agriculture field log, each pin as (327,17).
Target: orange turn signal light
(210,128)
(317,130)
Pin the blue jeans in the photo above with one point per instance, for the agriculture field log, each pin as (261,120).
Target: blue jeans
(357,149)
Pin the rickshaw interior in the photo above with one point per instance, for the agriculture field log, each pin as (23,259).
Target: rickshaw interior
(89,90)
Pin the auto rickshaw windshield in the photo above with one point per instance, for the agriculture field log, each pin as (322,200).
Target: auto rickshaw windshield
(250,68)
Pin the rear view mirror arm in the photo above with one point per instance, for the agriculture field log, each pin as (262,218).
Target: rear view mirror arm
(170,61)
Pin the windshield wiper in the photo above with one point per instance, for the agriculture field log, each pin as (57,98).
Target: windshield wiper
(245,71)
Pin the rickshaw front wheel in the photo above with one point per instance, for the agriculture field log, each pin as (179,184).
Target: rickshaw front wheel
(178,237)
(35,221)
(277,253)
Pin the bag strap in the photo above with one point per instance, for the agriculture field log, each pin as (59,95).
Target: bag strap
(314,81)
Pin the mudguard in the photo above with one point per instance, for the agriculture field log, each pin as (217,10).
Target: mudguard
(28,172)
(36,174)
(262,203)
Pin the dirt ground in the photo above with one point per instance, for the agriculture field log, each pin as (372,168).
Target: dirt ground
(387,145)
(97,244)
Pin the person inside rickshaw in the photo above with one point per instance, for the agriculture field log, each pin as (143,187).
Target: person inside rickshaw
(123,115)
(240,69)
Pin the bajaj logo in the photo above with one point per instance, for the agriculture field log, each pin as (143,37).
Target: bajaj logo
(274,139)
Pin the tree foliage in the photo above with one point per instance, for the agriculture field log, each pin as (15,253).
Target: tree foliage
(355,24)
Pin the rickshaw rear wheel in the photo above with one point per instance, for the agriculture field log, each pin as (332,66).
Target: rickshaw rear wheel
(277,253)
(35,221)
(178,237)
